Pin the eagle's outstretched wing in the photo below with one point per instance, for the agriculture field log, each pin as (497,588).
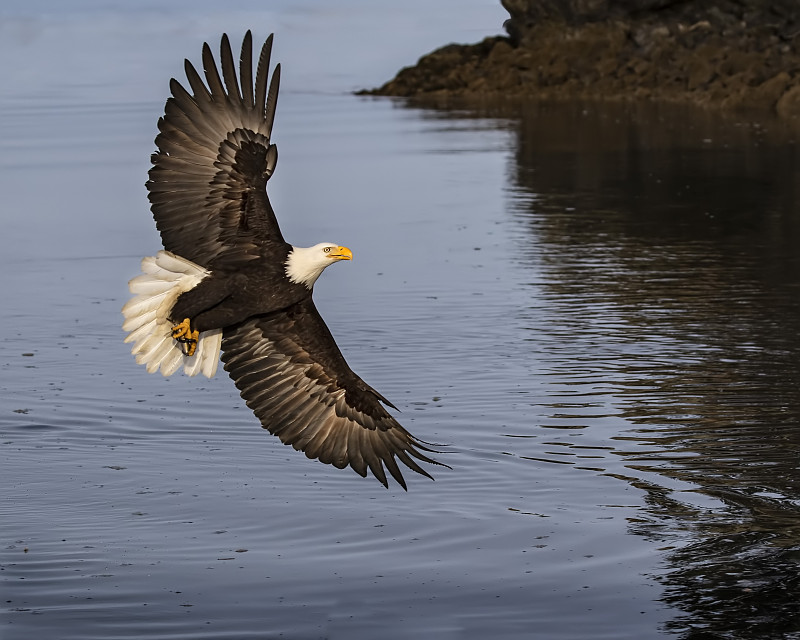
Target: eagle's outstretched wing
(293,376)
(207,186)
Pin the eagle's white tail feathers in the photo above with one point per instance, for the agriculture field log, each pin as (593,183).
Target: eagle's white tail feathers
(164,277)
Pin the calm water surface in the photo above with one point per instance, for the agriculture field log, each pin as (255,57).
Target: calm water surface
(597,308)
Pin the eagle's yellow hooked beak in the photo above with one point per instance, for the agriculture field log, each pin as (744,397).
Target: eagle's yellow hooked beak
(340,253)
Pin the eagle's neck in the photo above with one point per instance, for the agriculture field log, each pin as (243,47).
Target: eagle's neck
(303,265)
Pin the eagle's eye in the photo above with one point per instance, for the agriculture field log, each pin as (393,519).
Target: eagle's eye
(327,249)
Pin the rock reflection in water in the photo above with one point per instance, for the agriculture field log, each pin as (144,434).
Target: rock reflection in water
(667,239)
(672,236)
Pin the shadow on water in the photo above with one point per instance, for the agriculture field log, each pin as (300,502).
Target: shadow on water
(666,242)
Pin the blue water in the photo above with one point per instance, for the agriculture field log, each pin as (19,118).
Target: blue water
(596,308)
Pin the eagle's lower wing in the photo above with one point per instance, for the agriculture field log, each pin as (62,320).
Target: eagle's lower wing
(207,186)
(294,378)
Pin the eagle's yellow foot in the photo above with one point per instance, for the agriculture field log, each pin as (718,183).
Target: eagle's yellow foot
(182,329)
(183,333)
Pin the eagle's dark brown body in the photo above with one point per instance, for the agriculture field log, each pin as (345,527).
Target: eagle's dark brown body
(231,295)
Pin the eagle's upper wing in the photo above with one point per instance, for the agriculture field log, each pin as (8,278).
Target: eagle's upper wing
(207,186)
(294,378)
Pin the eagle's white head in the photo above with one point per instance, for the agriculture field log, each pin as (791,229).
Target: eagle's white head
(305,264)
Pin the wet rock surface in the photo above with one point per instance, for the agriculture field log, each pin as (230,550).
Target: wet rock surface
(730,53)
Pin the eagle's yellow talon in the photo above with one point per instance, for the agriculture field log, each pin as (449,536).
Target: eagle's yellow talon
(190,343)
(182,329)
(183,333)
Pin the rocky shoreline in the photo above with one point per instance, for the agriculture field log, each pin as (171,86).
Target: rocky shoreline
(738,54)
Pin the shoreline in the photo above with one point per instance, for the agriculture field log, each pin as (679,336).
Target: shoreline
(716,61)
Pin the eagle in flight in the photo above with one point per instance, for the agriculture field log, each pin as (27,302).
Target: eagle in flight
(227,282)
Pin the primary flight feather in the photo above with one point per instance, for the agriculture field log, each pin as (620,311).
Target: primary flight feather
(227,280)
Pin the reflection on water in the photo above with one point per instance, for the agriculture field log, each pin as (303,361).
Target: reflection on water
(669,296)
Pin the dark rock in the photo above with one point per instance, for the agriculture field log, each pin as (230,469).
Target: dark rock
(699,73)
(789,104)
(726,53)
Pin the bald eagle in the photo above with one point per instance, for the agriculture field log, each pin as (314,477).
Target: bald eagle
(228,282)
